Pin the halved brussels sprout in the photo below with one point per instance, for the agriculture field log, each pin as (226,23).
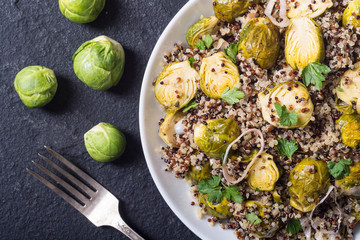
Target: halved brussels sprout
(294,95)
(260,39)
(263,174)
(208,25)
(249,157)
(309,180)
(176,85)
(350,185)
(167,127)
(351,14)
(348,89)
(219,210)
(307,8)
(228,10)
(349,125)
(198,173)
(83,11)
(214,137)
(303,43)
(276,197)
(217,73)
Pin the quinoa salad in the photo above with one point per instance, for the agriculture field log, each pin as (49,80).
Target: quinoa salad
(261,117)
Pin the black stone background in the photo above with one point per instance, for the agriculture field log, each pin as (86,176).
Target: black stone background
(34,32)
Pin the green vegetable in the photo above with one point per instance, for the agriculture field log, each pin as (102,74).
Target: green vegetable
(105,142)
(286,148)
(99,63)
(313,74)
(232,193)
(208,41)
(231,52)
(200,45)
(340,169)
(205,26)
(351,15)
(167,128)
(286,118)
(348,88)
(36,86)
(232,96)
(349,125)
(198,173)
(191,61)
(228,10)
(293,226)
(350,185)
(253,218)
(81,11)
(339,89)
(190,105)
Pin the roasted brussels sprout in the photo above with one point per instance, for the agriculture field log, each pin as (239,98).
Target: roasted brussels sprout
(214,137)
(99,63)
(276,197)
(349,125)
(348,89)
(294,95)
(300,8)
(309,179)
(219,210)
(263,174)
(36,86)
(260,39)
(303,43)
(208,25)
(176,85)
(351,14)
(81,11)
(350,185)
(105,142)
(217,72)
(228,10)
(198,173)
(167,128)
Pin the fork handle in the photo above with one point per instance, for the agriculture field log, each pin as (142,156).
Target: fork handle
(120,225)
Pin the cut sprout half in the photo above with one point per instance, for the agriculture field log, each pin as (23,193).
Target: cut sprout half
(282,13)
(228,178)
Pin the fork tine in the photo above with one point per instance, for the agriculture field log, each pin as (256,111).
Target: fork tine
(79,172)
(82,186)
(61,193)
(68,187)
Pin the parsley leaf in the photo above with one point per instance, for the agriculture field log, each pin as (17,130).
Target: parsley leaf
(293,226)
(339,89)
(215,196)
(253,218)
(286,118)
(190,105)
(200,45)
(286,148)
(231,51)
(313,74)
(232,96)
(191,61)
(208,41)
(232,193)
(340,169)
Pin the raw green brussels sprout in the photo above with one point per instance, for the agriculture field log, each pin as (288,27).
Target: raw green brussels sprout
(219,210)
(167,127)
(217,72)
(263,174)
(349,125)
(105,142)
(228,10)
(350,185)
(351,14)
(309,180)
(198,173)
(300,8)
(303,43)
(260,39)
(36,86)
(176,85)
(99,63)
(81,11)
(208,25)
(214,137)
(294,95)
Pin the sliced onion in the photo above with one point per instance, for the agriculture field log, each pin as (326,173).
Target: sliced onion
(268,12)
(305,225)
(228,178)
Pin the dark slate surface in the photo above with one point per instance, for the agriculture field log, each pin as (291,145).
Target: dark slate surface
(35,33)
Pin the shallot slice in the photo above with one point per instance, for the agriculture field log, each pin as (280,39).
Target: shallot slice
(282,13)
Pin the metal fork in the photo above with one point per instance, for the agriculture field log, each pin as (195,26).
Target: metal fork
(99,206)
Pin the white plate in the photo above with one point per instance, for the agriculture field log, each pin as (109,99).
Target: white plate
(175,192)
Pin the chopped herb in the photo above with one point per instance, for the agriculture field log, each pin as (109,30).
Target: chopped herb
(232,96)
(200,45)
(232,193)
(340,169)
(253,218)
(293,226)
(286,118)
(231,51)
(286,148)
(257,189)
(208,41)
(313,74)
(191,61)
(339,89)
(190,105)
